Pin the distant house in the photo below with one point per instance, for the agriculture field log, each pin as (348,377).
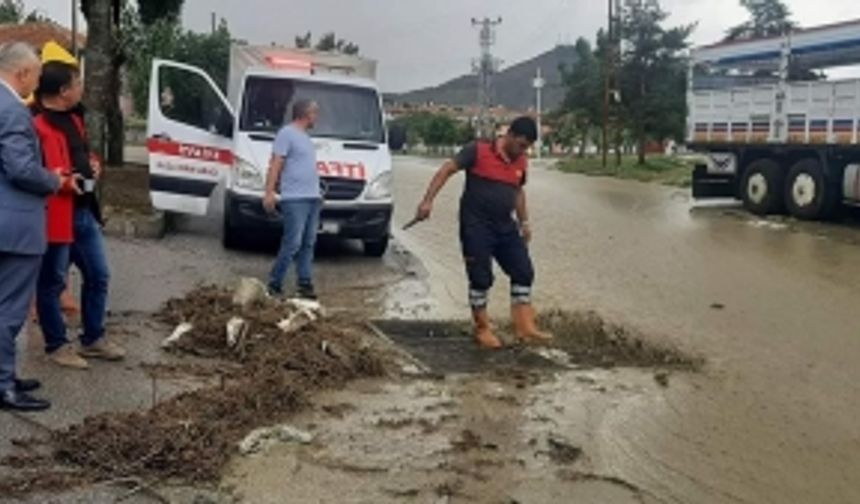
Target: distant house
(38,34)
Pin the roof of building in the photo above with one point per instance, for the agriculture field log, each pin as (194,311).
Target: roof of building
(38,34)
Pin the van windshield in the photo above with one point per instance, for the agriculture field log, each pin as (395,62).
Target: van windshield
(346,112)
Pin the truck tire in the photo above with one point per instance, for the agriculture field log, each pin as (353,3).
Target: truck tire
(376,248)
(761,187)
(809,194)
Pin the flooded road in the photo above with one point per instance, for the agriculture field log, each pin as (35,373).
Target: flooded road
(773,306)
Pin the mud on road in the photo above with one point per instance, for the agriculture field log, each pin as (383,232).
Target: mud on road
(440,437)
(191,437)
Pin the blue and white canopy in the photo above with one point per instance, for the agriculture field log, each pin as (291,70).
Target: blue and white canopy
(815,48)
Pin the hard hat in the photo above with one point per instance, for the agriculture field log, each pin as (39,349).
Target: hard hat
(53,51)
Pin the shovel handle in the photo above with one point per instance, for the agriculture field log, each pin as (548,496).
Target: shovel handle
(411,224)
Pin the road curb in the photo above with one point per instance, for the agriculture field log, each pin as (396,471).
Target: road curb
(147,227)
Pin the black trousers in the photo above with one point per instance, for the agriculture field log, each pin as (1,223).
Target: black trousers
(481,244)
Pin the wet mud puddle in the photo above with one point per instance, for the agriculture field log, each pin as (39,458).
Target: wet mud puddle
(523,426)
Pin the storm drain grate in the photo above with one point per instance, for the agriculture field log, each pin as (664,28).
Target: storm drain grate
(448,347)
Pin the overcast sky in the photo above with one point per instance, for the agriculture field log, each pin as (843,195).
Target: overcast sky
(424,42)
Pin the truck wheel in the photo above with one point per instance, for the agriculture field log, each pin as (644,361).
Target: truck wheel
(376,248)
(808,192)
(761,187)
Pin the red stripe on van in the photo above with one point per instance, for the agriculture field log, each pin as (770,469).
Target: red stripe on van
(189,151)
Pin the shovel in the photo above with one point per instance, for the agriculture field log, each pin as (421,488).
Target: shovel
(409,225)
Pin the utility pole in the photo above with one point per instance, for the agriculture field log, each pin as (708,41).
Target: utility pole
(214,22)
(485,67)
(610,84)
(75,28)
(539,83)
(607,70)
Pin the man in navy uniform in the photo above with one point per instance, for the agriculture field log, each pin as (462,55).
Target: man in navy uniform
(494,195)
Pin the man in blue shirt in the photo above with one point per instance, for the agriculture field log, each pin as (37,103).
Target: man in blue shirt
(293,170)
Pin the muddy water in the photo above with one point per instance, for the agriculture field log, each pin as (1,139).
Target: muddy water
(772,305)
(463,440)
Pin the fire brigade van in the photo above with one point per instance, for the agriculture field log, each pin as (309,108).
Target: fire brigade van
(198,138)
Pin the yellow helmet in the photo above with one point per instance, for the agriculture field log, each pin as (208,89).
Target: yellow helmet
(53,51)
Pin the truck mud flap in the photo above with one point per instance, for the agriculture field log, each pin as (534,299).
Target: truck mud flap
(708,186)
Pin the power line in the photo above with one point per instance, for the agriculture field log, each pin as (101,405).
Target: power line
(485,67)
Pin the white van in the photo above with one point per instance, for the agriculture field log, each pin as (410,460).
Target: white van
(198,138)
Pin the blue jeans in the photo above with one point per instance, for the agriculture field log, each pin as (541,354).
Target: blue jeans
(301,223)
(89,255)
(51,284)
(18,274)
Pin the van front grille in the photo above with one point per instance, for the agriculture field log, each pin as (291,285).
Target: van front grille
(339,189)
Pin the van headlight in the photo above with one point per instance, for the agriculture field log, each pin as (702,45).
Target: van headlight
(380,187)
(249,176)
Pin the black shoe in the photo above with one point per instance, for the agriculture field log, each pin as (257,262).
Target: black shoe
(27,385)
(274,292)
(306,291)
(19,401)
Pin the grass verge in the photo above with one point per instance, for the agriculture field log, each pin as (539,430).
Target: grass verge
(675,171)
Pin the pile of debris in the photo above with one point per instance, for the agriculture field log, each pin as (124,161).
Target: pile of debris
(210,322)
(590,340)
(284,350)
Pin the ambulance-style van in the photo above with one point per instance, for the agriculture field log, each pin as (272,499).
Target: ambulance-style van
(197,138)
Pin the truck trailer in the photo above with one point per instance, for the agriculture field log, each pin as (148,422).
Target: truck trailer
(198,138)
(774,133)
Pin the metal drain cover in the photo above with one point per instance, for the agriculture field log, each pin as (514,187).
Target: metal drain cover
(448,347)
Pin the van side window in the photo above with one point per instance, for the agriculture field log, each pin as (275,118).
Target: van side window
(187,97)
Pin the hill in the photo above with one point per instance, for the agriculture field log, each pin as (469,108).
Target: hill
(513,85)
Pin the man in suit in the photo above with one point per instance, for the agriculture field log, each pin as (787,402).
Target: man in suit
(24,186)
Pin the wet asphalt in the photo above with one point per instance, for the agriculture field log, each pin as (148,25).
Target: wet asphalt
(771,304)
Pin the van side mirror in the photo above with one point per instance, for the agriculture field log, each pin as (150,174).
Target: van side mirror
(396,137)
(224,124)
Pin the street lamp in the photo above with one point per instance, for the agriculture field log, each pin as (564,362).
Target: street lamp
(75,28)
(538,83)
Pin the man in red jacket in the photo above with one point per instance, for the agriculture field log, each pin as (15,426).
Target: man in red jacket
(74,229)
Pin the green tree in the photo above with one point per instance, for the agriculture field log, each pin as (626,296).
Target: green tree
(36,16)
(327,43)
(434,130)
(767,18)
(304,41)
(152,11)
(14,12)
(11,11)
(653,75)
(565,130)
(166,39)
(441,130)
(584,94)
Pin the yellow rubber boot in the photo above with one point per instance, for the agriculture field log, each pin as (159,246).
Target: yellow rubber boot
(483,332)
(525,327)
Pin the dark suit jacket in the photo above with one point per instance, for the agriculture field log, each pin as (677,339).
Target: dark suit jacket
(24,182)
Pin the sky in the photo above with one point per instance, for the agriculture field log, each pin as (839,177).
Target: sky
(426,42)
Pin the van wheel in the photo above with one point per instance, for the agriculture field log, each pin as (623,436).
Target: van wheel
(231,237)
(761,187)
(376,248)
(808,192)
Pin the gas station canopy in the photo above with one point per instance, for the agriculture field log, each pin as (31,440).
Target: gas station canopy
(813,48)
